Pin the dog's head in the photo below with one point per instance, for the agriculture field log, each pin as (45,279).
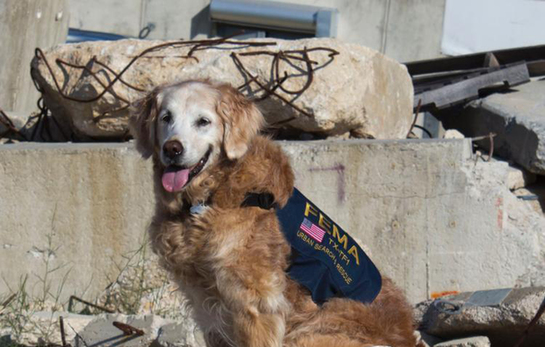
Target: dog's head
(191,125)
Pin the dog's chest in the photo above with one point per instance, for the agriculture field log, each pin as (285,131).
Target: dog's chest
(205,239)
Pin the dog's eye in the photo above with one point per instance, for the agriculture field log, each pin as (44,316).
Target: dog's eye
(167,117)
(203,121)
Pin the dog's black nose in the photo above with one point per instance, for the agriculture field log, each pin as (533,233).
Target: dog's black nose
(173,148)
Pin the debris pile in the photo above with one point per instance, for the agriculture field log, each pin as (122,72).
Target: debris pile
(317,86)
(517,119)
(505,317)
(312,89)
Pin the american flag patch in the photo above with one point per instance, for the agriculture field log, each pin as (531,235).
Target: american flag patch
(312,230)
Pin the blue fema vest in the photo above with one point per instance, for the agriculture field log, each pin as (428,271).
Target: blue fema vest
(325,259)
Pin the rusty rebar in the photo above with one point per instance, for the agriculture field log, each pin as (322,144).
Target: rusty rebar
(416,113)
(43,124)
(41,55)
(239,64)
(7,302)
(73,297)
(63,335)
(8,123)
(268,88)
(127,329)
(491,139)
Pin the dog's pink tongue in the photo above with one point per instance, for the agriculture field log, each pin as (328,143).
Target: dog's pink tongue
(174,179)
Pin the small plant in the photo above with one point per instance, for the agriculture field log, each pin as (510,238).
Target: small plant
(139,285)
(21,303)
(16,310)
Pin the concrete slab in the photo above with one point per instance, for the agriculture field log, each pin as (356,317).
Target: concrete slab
(518,119)
(426,212)
(80,207)
(157,332)
(25,25)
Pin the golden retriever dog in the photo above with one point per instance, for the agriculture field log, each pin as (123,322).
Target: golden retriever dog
(230,261)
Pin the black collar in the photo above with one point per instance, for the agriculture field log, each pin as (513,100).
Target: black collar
(262,200)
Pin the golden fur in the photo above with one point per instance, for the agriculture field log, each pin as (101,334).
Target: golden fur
(230,261)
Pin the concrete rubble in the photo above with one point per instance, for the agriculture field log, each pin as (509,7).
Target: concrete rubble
(84,330)
(517,119)
(501,315)
(452,223)
(158,332)
(518,177)
(378,105)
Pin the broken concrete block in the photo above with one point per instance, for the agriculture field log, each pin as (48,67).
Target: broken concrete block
(42,328)
(502,315)
(358,91)
(475,341)
(453,134)
(517,119)
(519,178)
(178,335)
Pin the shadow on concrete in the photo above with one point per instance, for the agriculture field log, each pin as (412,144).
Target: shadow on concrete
(201,24)
(538,189)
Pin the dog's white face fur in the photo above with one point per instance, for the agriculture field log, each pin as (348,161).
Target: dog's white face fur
(206,120)
(188,115)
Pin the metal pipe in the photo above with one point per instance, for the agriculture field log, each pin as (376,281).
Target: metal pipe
(267,14)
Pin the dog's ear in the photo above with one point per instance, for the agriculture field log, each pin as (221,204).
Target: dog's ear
(242,120)
(142,122)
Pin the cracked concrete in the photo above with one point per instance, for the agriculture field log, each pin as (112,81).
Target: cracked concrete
(428,214)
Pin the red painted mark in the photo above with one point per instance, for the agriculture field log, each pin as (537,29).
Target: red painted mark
(499,205)
(435,295)
(340,181)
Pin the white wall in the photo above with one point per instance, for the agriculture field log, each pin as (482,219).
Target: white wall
(487,25)
(403,29)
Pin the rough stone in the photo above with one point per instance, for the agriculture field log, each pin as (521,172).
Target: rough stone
(502,315)
(475,341)
(519,178)
(517,119)
(358,91)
